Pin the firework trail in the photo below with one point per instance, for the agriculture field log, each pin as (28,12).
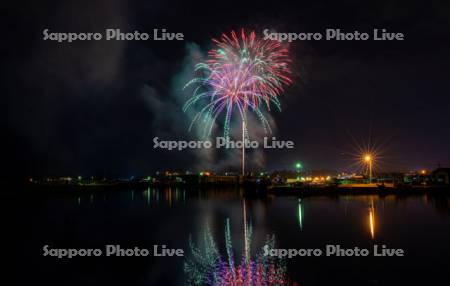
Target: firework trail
(242,72)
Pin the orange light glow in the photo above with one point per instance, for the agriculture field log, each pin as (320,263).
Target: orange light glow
(372,222)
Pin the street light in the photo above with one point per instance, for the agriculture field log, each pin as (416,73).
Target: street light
(368,159)
(298,167)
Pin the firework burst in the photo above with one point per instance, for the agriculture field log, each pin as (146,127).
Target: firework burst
(242,72)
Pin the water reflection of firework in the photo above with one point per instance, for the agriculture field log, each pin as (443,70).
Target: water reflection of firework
(206,266)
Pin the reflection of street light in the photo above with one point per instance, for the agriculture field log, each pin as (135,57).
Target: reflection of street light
(372,221)
(300,214)
(369,161)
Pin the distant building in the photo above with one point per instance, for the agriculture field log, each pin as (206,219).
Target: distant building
(417,178)
(441,176)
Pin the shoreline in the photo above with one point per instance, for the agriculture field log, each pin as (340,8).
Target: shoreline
(247,190)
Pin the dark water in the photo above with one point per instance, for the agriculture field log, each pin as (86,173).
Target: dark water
(420,225)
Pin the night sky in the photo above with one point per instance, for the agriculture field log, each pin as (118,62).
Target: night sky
(94,107)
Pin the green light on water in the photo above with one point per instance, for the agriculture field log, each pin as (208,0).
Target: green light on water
(300,214)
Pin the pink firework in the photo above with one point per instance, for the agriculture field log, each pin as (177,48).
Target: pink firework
(241,73)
